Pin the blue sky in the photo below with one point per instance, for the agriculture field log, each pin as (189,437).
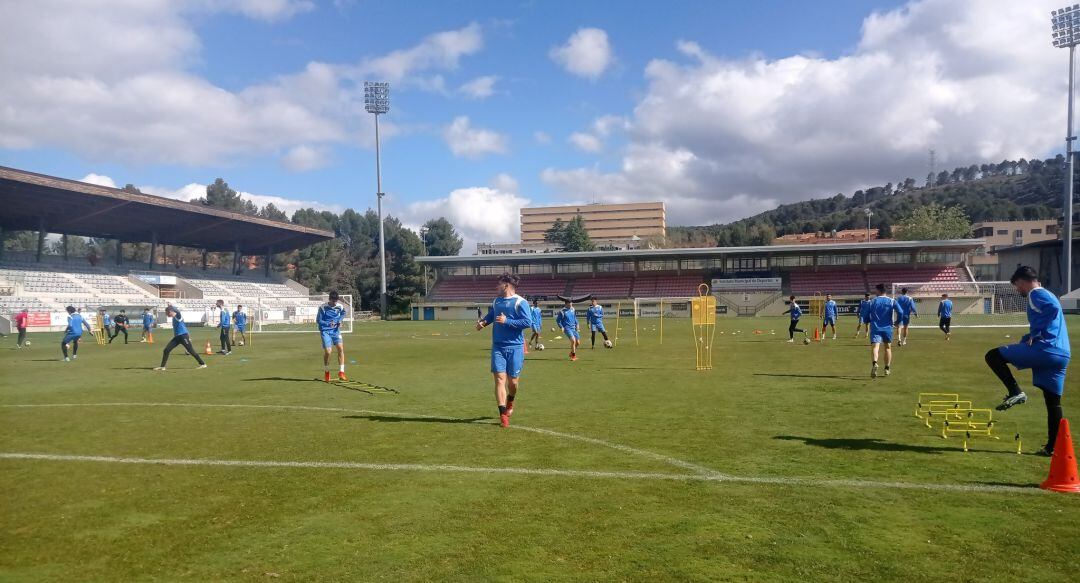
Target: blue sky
(721,109)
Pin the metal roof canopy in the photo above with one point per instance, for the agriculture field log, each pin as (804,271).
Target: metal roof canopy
(709,252)
(77,208)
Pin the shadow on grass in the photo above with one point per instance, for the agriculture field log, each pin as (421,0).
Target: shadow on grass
(392,419)
(286,379)
(873,444)
(810,376)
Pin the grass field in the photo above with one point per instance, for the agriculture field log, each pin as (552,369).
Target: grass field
(784,463)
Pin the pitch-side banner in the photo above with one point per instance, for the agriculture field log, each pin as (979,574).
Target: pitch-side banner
(746,283)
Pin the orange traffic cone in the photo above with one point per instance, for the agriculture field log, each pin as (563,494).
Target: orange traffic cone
(208,349)
(817,335)
(150,338)
(1063,476)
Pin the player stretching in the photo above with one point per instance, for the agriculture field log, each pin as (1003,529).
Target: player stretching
(944,312)
(224,325)
(240,319)
(880,314)
(567,320)
(510,315)
(537,324)
(1044,349)
(864,316)
(73,333)
(180,337)
(329,320)
(595,317)
(147,326)
(905,309)
(829,318)
(796,313)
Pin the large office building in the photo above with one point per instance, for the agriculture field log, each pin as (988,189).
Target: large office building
(606,223)
(998,235)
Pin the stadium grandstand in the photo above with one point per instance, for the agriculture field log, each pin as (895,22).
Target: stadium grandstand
(45,284)
(747,281)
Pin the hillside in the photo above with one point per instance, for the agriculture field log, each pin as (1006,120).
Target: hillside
(1009,190)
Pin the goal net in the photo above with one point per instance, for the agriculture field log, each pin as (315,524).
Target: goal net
(650,313)
(267,314)
(976,304)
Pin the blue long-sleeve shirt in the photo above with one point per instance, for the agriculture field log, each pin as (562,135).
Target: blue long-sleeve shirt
(905,306)
(1047,323)
(881,313)
(75,326)
(330,316)
(179,328)
(147,321)
(537,318)
(864,309)
(567,318)
(595,315)
(944,309)
(224,318)
(794,310)
(518,318)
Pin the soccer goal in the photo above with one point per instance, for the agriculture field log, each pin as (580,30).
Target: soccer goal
(976,304)
(650,313)
(293,314)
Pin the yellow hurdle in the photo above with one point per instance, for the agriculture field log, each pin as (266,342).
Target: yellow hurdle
(926,397)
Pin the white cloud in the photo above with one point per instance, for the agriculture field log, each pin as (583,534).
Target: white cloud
(480,87)
(586,142)
(305,158)
(98,179)
(541,137)
(587,53)
(720,139)
(479,213)
(195,190)
(505,183)
(466,141)
(607,124)
(133,100)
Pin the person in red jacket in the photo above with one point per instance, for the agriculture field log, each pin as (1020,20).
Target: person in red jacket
(20,324)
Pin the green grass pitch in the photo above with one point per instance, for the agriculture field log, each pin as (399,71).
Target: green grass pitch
(614,468)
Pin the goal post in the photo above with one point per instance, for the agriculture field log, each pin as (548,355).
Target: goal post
(661,309)
(280,315)
(976,304)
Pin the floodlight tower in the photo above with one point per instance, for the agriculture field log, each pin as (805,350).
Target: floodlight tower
(1065,25)
(869,213)
(377,101)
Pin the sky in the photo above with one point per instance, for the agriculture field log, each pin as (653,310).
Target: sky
(719,109)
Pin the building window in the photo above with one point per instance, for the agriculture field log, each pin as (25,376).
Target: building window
(850,259)
(615,266)
(888,258)
(793,261)
(1051,229)
(575,268)
(1003,232)
(1036,231)
(529,268)
(693,264)
(747,264)
(665,265)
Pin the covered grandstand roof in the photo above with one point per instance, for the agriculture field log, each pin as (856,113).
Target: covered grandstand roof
(708,252)
(77,208)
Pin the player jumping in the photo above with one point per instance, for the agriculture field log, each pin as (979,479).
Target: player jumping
(180,337)
(73,333)
(864,316)
(905,310)
(595,317)
(567,320)
(509,315)
(329,320)
(796,313)
(537,324)
(880,313)
(1044,349)
(944,312)
(240,319)
(829,318)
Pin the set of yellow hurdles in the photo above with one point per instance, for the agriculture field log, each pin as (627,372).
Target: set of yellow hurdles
(951,415)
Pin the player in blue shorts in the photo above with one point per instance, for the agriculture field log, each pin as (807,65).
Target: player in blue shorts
(567,320)
(880,314)
(329,321)
(905,310)
(595,317)
(1044,349)
(829,317)
(944,312)
(180,338)
(240,320)
(73,332)
(863,315)
(537,324)
(509,316)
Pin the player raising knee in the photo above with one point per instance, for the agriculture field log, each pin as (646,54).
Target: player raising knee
(1044,349)
(595,317)
(881,311)
(944,312)
(329,321)
(864,316)
(905,310)
(567,320)
(76,324)
(180,338)
(509,316)
(796,313)
(537,324)
(829,317)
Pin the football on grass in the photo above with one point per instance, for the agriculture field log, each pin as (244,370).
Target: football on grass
(806,341)
(539,346)
(607,344)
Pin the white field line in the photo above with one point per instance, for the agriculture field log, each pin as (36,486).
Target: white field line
(702,474)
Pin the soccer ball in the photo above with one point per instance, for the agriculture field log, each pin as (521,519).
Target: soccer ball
(608,344)
(539,346)
(27,343)
(806,341)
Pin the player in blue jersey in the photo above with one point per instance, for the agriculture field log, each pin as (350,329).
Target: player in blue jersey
(224,326)
(567,320)
(880,313)
(796,313)
(905,311)
(944,312)
(863,316)
(240,320)
(147,325)
(537,324)
(106,322)
(73,332)
(329,319)
(595,317)
(1044,349)
(509,316)
(180,338)
(829,317)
